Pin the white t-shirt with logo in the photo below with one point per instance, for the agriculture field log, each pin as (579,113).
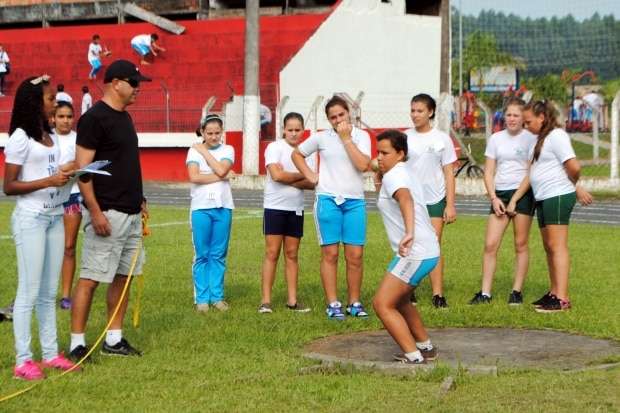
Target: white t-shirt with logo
(547,175)
(67,153)
(337,174)
(94,50)
(142,40)
(425,244)
(428,153)
(282,196)
(511,154)
(37,162)
(217,194)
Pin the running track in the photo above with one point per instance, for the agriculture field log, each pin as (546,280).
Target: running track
(601,212)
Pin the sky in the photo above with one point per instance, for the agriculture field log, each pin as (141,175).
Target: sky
(580,9)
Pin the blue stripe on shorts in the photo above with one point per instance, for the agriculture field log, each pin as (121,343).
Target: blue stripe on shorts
(344,223)
(412,271)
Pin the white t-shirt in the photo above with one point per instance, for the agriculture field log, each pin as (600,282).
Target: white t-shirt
(87,102)
(511,154)
(64,97)
(4,59)
(425,244)
(37,162)
(142,40)
(94,50)
(428,153)
(337,174)
(547,175)
(216,194)
(282,196)
(67,153)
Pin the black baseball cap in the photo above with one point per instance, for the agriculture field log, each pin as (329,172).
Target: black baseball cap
(124,69)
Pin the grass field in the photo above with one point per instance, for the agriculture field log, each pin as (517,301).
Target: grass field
(243,361)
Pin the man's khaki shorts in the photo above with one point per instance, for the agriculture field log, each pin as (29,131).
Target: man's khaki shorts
(104,257)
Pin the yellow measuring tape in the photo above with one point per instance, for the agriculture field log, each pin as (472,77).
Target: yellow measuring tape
(136,316)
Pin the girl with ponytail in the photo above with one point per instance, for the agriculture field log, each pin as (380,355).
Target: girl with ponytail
(553,175)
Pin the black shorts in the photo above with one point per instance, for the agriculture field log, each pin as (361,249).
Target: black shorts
(287,223)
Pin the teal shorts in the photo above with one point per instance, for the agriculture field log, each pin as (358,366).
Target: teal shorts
(436,210)
(555,210)
(526,205)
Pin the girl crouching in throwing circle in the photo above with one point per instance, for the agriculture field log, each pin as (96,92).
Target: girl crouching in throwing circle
(413,239)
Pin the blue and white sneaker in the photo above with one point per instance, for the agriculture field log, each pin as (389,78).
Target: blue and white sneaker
(334,311)
(356,310)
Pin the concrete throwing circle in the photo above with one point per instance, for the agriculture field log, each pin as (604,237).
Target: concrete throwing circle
(481,350)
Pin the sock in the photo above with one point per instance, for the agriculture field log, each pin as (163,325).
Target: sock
(424,345)
(77,340)
(113,337)
(414,356)
(335,304)
(486,294)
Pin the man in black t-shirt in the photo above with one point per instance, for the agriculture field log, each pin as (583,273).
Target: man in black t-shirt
(113,227)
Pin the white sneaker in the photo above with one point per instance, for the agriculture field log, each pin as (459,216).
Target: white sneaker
(221,305)
(202,308)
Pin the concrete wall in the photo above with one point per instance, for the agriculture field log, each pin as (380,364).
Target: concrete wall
(369,46)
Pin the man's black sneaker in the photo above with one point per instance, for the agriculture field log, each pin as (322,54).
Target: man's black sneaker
(542,300)
(480,298)
(78,353)
(439,301)
(413,299)
(515,298)
(122,348)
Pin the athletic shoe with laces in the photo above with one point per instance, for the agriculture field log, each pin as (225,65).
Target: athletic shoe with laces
(515,298)
(334,311)
(480,298)
(65,303)
(221,305)
(542,300)
(413,299)
(78,353)
(28,371)
(122,348)
(60,362)
(356,310)
(429,355)
(202,308)
(405,360)
(265,308)
(554,305)
(298,307)
(439,301)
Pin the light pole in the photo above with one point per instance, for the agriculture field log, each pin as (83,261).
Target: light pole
(460,47)
(251,121)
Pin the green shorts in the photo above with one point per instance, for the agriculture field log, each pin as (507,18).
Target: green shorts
(555,210)
(436,210)
(526,205)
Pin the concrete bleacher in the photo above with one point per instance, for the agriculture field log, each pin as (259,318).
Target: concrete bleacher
(207,60)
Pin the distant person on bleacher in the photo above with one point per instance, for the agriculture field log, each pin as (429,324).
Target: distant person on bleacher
(61,95)
(87,99)
(95,49)
(145,44)
(4,68)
